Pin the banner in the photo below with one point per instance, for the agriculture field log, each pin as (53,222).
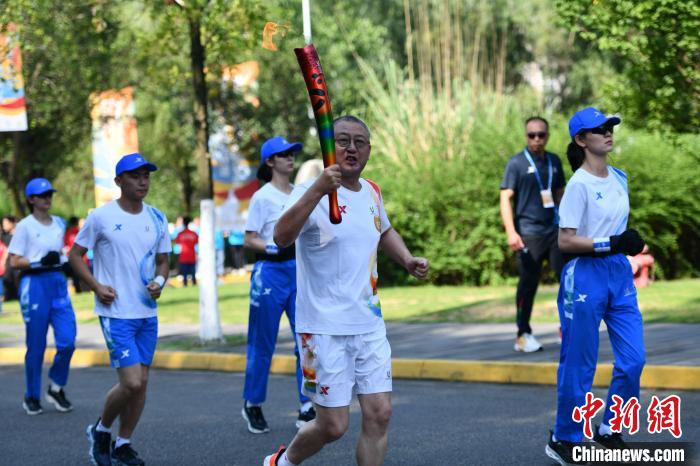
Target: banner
(233,176)
(113,136)
(13,111)
(234,181)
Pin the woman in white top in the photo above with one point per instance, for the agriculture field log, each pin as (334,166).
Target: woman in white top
(273,287)
(596,285)
(35,250)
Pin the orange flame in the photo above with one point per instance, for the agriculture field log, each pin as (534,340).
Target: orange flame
(270,30)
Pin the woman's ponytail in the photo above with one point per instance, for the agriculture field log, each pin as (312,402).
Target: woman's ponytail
(576,155)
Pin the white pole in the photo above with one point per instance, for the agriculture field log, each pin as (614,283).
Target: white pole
(306,11)
(209,323)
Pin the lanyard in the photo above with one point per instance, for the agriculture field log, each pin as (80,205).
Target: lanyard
(537,174)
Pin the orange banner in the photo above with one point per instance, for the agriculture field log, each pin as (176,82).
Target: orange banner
(13,111)
(113,136)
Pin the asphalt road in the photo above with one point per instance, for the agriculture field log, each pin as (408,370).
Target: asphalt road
(193,418)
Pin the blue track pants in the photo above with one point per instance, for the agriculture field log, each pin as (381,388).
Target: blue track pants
(594,289)
(273,290)
(44,300)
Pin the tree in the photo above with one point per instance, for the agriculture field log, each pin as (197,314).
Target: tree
(657,45)
(66,55)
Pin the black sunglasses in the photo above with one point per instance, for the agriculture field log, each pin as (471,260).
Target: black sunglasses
(46,195)
(285,154)
(602,130)
(540,135)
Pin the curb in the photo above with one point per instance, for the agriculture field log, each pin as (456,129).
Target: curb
(656,377)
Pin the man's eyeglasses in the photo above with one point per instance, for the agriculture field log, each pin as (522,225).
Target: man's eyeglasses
(602,130)
(46,195)
(344,142)
(540,135)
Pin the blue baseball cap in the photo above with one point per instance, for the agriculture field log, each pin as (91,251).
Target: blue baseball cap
(277,145)
(38,186)
(589,118)
(133,162)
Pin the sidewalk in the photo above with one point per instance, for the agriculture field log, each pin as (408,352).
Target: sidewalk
(666,344)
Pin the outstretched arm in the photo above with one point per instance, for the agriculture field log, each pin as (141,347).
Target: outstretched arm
(392,243)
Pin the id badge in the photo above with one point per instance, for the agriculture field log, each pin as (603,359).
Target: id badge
(547,199)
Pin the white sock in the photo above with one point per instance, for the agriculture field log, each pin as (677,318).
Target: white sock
(306,406)
(121,441)
(605,429)
(101,427)
(248,404)
(55,387)
(284,461)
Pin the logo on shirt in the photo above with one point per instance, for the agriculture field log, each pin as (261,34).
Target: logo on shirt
(581,298)
(342,209)
(324,390)
(117,227)
(125,354)
(598,195)
(371,210)
(148,228)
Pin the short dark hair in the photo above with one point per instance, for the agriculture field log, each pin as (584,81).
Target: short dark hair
(353,119)
(186,220)
(537,118)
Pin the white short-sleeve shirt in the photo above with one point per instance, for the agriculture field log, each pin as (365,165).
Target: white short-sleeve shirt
(265,209)
(124,247)
(337,264)
(596,207)
(33,240)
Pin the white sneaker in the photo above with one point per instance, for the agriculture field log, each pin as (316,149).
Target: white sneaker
(527,343)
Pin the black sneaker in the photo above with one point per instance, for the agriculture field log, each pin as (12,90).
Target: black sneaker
(306,416)
(99,445)
(32,406)
(125,456)
(613,441)
(561,451)
(256,421)
(59,400)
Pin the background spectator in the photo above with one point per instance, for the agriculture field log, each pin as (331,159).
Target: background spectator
(187,240)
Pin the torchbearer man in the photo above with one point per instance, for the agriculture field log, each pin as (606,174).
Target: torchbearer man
(339,323)
(130,244)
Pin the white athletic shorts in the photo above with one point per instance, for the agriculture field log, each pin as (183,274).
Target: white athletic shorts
(336,365)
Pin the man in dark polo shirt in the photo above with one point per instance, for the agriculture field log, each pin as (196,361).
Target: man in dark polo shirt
(534,181)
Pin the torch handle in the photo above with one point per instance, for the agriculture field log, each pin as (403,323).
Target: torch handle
(321,103)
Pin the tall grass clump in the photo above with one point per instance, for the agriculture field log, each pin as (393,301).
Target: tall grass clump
(439,162)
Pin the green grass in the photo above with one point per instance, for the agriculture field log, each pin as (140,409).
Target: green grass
(194,344)
(664,301)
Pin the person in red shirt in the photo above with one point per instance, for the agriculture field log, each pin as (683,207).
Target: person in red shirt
(187,239)
(72,230)
(3,258)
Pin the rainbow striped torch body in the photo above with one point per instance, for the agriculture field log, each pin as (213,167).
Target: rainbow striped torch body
(321,104)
